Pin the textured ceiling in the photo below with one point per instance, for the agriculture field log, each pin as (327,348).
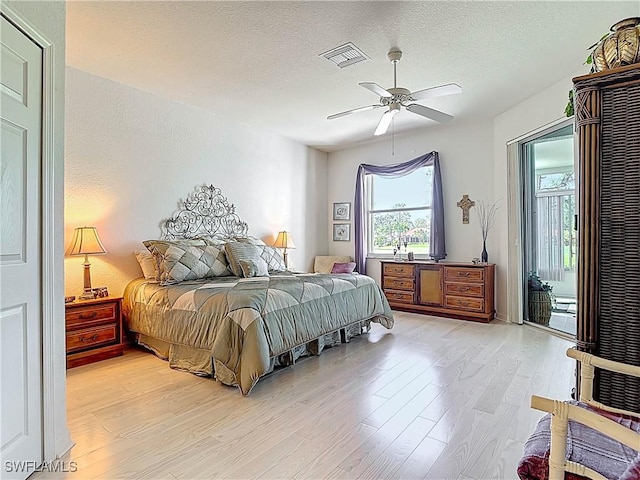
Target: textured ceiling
(257,63)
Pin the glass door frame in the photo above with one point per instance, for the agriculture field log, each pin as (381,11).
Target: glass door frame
(516,285)
(527,175)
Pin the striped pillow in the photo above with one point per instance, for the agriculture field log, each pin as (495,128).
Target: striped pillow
(238,251)
(254,269)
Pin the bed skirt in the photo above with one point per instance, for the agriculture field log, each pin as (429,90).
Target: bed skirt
(199,361)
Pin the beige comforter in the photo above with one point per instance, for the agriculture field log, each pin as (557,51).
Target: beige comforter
(245,322)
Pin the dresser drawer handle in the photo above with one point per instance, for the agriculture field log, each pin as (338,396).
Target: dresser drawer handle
(93,338)
(397,295)
(87,317)
(463,274)
(462,303)
(463,289)
(398,270)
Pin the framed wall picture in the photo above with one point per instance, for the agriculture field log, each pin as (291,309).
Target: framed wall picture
(341,232)
(342,211)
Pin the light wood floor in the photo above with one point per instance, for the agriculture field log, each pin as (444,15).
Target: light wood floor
(431,398)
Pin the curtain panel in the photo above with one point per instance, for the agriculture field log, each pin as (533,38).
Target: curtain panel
(437,249)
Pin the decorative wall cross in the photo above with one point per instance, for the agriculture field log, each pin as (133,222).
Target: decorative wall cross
(465,204)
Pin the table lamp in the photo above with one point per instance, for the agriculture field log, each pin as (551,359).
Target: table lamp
(284,241)
(86,242)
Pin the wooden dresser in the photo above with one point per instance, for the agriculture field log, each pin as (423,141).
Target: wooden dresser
(457,290)
(94,330)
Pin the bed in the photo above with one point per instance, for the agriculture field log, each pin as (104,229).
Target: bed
(240,327)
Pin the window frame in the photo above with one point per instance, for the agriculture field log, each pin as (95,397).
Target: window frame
(370,212)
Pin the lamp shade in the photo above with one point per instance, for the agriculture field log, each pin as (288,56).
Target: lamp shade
(85,242)
(284,240)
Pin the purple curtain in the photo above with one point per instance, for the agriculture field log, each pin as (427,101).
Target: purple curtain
(437,240)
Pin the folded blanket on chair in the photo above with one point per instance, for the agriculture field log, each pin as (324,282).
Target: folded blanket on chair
(585,446)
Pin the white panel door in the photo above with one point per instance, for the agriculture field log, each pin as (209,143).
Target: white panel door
(20,270)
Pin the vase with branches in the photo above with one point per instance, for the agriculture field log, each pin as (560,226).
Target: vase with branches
(486,216)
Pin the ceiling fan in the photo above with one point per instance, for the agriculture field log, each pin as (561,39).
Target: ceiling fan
(397,97)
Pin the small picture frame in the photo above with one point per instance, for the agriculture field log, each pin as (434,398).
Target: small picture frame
(100,292)
(341,232)
(342,211)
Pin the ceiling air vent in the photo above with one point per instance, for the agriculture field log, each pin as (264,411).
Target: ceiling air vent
(345,55)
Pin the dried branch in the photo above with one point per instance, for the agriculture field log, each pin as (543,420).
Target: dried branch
(486,216)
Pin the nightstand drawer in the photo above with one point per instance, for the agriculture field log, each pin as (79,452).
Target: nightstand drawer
(462,273)
(464,303)
(86,315)
(91,337)
(398,270)
(402,297)
(464,289)
(398,283)
(94,330)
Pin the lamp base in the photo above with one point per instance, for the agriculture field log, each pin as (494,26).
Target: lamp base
(87,294)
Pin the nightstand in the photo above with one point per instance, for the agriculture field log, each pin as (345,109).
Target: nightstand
(94,330)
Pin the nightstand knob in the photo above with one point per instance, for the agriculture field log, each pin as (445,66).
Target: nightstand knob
(92,339)
(87,317)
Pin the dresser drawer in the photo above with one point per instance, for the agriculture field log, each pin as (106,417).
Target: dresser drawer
(463,273)
(464,289)
(85,315)
(91,337)
(394,296)
(398,283)
(398,270)
(464,303)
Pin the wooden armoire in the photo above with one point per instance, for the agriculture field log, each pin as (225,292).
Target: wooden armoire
(607,117)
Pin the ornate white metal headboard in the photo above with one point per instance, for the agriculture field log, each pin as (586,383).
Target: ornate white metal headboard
(205,212)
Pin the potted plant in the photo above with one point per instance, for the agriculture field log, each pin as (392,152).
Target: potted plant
(540,299)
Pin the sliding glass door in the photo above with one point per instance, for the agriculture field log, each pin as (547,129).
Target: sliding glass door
(549,240)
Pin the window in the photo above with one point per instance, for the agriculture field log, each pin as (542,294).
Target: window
(556,207)
(399,210)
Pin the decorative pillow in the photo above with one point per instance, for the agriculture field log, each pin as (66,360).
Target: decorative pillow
(254,269)
(180,261)
(148,265)
(216,241)
(237,251)
(348,267)
(273,257)
(250,239)
(324,263)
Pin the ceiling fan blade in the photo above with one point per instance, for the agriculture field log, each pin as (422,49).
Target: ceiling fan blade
(375,88)
(355,110)
(436,115)
(448,89)
(385,121)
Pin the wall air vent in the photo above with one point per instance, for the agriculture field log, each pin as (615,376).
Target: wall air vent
(345,55)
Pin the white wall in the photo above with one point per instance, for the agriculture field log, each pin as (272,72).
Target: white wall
(131,156)
(542,109)
(49,19)
(466,161)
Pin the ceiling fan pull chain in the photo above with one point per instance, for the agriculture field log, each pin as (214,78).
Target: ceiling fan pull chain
(393,138)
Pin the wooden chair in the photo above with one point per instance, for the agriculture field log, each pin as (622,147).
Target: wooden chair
(562,412)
